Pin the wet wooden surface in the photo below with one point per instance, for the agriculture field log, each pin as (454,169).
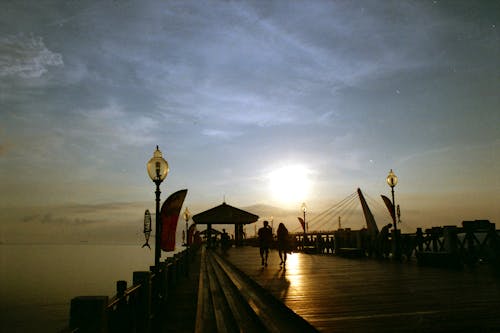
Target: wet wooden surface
(364,295)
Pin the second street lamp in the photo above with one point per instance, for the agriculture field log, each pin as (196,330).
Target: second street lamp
(392,181)
(157,170)
(304,209)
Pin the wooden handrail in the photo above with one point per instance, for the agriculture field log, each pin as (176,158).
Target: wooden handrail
(134,308)
(117,299)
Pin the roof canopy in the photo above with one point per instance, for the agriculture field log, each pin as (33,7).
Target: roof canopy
(225,214)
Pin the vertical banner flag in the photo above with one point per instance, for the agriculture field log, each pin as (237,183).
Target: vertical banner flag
(170,211)
(302,223)
(390,207)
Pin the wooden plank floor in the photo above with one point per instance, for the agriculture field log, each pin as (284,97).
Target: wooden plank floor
(363,295)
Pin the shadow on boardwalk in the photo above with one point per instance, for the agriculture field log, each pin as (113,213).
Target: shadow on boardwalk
(345,295)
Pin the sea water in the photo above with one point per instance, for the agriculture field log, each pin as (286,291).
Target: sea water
(37,282)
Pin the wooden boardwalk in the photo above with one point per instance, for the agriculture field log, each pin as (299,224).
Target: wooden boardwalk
(363,295)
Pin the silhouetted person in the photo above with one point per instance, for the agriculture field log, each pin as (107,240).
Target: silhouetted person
(265,239)
(283,243)
(383,241)
(224,241)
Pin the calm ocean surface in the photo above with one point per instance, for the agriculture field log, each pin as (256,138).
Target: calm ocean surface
(37,282)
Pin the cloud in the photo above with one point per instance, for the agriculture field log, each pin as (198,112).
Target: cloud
(62,220)
(226,135)
(112,125)
(26,56)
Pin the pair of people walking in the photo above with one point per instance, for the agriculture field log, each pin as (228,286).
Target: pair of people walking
(265,235)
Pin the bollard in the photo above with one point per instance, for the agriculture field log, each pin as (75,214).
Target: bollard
(88,314)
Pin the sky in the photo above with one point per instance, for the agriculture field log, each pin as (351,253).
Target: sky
(261,104)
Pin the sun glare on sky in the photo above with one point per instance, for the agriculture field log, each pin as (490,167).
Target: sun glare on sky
(289,185)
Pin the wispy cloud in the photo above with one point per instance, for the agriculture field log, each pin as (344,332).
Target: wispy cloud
(26,56)
(62,220)
(112,125)
(226,135)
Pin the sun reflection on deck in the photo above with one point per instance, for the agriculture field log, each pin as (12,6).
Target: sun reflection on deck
(293,268)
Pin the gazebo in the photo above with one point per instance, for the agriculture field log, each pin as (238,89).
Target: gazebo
(225,214)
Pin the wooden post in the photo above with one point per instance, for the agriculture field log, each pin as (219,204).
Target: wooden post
(121,286)
(450,238)
(435,236)
(160,289)
(187,256)
(144,300)
(420,240)
(88,314)
(396,244)
(338,241)
(120,318)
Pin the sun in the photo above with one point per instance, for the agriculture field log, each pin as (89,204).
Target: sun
(289,185)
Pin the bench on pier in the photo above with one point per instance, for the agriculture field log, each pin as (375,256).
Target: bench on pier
(229,301)
(351,252)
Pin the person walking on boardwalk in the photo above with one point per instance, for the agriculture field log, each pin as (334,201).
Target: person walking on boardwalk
(224,241)
(383,241)
(283,243)
(265,239)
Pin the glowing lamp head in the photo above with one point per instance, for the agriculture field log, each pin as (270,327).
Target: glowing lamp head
(303,207)
(157,167)
(392,179)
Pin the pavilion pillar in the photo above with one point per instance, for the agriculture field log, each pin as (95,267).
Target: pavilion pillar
(209,236)
(238,234)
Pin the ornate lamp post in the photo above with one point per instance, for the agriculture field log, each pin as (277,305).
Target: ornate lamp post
(304,209)
(187,216)
(157,170)
(392,181)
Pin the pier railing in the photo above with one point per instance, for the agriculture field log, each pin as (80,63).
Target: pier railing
(448,246)
(134,308)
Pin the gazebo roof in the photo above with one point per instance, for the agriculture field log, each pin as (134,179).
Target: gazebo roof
(225,214)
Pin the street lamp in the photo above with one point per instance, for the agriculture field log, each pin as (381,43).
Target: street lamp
(186,216)
(157,170)
(304,209)
(392,181)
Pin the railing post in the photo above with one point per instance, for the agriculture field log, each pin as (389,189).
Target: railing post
(88,314)
(119,318)
(396,246)
(450,239)
(160,289)
(420,240)
(121,286)
(187,256)
(435,236)
(144,300)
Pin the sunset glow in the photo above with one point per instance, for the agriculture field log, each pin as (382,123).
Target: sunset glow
(290,184)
